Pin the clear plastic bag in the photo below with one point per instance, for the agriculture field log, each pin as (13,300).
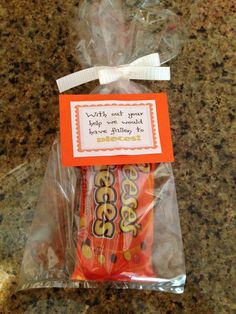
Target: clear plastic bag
(80,235)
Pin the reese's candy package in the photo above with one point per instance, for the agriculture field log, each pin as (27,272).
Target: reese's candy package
(116,223)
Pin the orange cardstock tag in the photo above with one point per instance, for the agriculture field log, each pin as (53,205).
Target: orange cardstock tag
(115,129)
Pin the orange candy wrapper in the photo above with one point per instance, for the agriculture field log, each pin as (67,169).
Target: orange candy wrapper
(115,237)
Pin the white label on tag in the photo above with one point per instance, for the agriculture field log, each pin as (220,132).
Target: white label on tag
(114,127)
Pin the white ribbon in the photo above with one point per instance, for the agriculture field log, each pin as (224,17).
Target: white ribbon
(145,68)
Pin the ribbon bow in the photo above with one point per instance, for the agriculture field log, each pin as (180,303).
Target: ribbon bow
(145,68)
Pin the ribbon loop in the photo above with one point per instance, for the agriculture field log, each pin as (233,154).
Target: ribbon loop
(145,68)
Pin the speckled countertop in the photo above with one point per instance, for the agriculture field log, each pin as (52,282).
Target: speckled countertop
(35,51)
